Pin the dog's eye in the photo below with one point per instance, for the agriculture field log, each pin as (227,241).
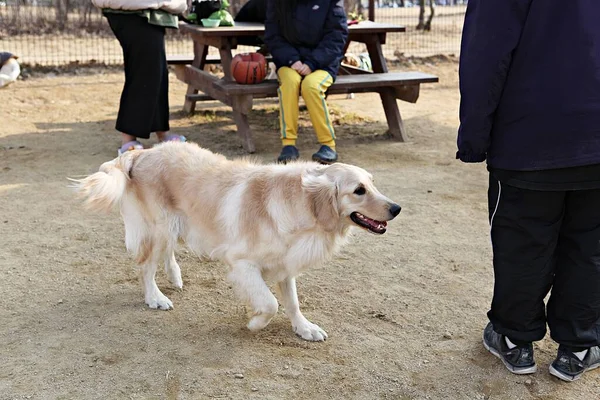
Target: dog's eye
(360,191)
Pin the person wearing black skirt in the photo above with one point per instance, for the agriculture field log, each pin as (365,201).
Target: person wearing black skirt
(144,104)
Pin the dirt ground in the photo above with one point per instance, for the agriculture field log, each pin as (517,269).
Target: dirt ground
(404,311)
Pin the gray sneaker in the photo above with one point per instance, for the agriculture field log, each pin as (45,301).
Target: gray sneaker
(568,367)
(518,360)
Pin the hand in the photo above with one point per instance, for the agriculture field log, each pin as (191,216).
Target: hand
(297,66)
(305,70)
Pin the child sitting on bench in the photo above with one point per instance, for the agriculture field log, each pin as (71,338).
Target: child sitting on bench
(306,40)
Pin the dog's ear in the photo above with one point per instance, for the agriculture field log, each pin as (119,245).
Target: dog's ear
(322,195)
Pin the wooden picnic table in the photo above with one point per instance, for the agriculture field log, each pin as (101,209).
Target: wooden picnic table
(225,39)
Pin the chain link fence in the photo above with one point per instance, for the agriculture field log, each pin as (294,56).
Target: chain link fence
(59,32)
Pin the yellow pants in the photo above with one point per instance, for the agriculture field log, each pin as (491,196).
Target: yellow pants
(312,88)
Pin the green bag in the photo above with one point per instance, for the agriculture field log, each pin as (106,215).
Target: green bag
(223,15)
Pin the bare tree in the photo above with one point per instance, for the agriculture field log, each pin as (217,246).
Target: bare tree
(62,11)
(425,26)
(86,10)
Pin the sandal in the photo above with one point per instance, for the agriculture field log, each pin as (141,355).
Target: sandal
(288,154)
(133,145)
(326,155)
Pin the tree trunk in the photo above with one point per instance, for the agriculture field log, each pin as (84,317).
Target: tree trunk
(421,24)
(62,7)
(432,10)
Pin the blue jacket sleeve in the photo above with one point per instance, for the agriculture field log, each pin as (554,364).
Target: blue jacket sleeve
(284,54)
(491,33)
(334,39)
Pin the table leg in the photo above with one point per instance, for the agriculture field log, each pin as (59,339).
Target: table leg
(243,127)
(200,53)
(239,102)
(388,95)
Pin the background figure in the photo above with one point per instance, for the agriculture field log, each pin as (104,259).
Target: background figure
(9,68)
(306,40)
(140,29)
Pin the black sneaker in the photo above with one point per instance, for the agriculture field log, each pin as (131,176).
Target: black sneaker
(288,153)
(568,367)
(325,155)
(518,360)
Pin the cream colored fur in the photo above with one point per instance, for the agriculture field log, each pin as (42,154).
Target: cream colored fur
(266,222)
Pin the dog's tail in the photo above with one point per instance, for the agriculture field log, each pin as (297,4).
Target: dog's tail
(103,190)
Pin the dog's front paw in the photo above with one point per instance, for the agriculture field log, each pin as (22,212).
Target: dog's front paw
(159,301)
(311,332)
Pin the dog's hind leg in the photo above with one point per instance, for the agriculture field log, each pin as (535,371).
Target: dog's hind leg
(154,253)
(172,269)
(250,287)
(149,244)
(154,297)
(302,327)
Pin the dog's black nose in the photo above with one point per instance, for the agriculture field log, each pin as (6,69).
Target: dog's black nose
(395,209)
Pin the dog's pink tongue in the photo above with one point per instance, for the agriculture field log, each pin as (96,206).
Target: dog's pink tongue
(376,224)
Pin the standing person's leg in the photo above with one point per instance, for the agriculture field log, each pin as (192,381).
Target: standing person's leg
(289,96)
(524,230)
(143,49)
(161,116)
(314,87)
(160,123)
(574,305)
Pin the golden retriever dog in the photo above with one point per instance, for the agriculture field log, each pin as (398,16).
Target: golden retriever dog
(266,222)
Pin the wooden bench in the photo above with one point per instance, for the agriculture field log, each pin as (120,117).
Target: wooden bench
(226,39)
(344,84)
(402,85)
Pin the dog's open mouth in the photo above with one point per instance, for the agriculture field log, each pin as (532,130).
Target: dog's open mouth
(377,227)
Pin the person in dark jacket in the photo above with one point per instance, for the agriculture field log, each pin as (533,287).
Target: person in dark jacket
(530,107)
(306,40)
(253,11)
